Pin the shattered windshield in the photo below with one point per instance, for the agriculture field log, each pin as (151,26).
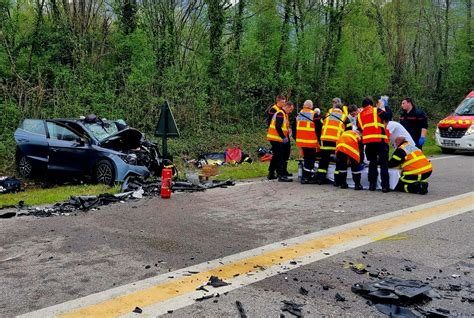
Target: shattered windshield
(101,130)
(466,107)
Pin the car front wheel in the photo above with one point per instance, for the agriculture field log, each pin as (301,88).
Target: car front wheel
(104,173)
(25,168)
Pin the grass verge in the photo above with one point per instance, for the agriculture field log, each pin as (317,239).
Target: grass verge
(53,195)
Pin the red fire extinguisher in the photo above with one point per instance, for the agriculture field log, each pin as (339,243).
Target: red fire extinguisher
(166,175)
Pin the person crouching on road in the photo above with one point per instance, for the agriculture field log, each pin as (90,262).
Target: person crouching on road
(374,137)
(307,122)
(348,151)
(416,168)
(334,124)
(278,134)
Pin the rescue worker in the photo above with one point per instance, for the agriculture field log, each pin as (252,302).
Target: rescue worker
(334,124)
(348,152)
(307,122)
(415,122)
(280,102)
(375,139)
(416,168)
(278,135)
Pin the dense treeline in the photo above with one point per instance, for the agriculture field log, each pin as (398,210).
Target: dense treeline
(220,63)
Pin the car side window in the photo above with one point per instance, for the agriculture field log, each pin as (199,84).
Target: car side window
(35,126)
(61,133)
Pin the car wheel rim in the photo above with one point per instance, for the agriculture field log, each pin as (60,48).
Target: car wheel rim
(104,174)
(25,167)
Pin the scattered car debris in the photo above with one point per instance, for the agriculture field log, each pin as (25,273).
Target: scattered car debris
(204,297)
(215,282)
(358,268)
(303,291)
(292,308)
(138,310)
(392,310)
(339,297)
(7,215)
(9,185)
(241,309)
(391,294)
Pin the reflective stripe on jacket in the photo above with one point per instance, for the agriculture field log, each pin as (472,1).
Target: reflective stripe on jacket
(348,143)
(415,161)
(272,133)
(333,125)
(305,129)
(373,130)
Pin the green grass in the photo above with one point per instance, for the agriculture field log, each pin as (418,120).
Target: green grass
(53,195)
(255,169)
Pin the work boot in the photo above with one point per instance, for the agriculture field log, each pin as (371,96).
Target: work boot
(357,185)
(373,186)
(343,180)
(385,189)
(271,175)
(284,179)
(423,188)
(337,177)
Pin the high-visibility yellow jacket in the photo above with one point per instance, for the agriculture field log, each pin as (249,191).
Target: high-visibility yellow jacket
(334,125)
(373,130)
(348,143)
(412,160)
(272,133)
(305,129)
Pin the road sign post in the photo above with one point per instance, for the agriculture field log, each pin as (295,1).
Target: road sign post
(166,127)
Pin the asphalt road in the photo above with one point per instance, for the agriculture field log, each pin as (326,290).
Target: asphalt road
(48,261)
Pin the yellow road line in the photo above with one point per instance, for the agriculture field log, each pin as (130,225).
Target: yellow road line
(123,304)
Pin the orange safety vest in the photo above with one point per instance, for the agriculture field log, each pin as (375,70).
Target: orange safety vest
(415,162)
(272,133)
(348,143)
(373,130)
(305,129)
(333,126)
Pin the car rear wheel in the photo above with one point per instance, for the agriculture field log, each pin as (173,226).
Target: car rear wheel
(104,173)
(25,168)
(448,151)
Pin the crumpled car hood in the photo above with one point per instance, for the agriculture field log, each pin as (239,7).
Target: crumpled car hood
(126,139)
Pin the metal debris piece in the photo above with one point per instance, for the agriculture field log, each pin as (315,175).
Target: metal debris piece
(138,310)
(339,297)
(303,291)
(395,311)
(292,308)
(215,282)
(241,309)
(204,297)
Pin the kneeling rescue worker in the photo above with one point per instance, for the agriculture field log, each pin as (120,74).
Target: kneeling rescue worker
(416,168)
(348,151)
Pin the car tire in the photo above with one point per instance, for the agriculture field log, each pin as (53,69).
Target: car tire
(25,167)
(448,151)
(104,173)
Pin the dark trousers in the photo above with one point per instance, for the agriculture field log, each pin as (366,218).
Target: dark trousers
(343,161)
(377,153)
(326,156)
(411,183)
(309,157)
(278,158)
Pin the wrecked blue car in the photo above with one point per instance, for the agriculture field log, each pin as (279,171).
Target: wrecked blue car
(106,151)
